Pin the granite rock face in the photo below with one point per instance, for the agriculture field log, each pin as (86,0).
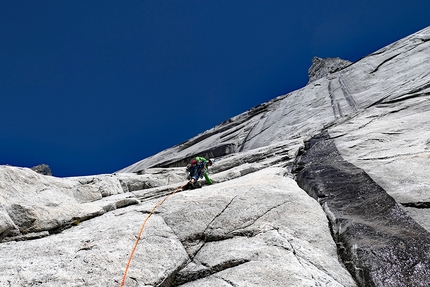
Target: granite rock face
(35,205)
(322,67)
(257,229)
(397,71)
(380,244)
(325,186)
(42,169)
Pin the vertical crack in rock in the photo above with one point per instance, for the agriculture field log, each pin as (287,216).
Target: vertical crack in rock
(170,277)
(335,102)
(193,274)
(419,204)
(292,249)
(215,217)
(202,237)
(300,262)
(348,97)
(379,243)
(170,280)
(337,112)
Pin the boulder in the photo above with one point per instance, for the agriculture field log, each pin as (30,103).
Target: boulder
(32,203)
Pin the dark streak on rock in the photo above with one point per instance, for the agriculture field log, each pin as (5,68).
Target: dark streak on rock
(263,214)
(348,97)
(186,277)
(337,112)
(419,204)
(379,243)
(383,62)
(415,93)
(228,282)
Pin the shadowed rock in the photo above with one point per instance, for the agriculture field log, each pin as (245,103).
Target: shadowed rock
(42,169)
(379,242)
(322,67)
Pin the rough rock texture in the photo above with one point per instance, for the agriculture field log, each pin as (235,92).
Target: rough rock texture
(34,205)
(252,231)
(399,70)
(322,67)
(380,244)
(355,140)
(42,169)
(391,142)
(247,239)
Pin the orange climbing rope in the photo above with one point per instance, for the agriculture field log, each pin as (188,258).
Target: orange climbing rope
(141,230)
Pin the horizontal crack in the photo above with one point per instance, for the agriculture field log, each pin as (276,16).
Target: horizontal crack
(228,282)
(185,277)
(392,156)
(411,95)
(383,62)
(266,212)
(419,204)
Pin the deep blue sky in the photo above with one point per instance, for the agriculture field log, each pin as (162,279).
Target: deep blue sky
(90,87)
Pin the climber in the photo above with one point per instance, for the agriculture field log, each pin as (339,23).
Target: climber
(199,168)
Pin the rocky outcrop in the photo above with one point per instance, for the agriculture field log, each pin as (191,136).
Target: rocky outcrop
(393,72)
(251,231)
(379,242)
(323,67)
(249,240)
(42,169)
(325,186)
(34,205)
(390,142)
(376,112)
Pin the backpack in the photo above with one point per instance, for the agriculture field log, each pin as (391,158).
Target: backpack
(190,165)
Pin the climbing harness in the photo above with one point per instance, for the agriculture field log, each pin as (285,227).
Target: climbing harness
(141,230)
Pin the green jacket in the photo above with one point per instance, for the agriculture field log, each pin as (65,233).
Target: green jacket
(205,161)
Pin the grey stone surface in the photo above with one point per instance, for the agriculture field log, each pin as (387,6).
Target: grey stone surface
(323,67)
(393,72)
(236,231)
(254,226)
(381,243)
(390,141)
(93,253)
(32,203)
(42,169)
